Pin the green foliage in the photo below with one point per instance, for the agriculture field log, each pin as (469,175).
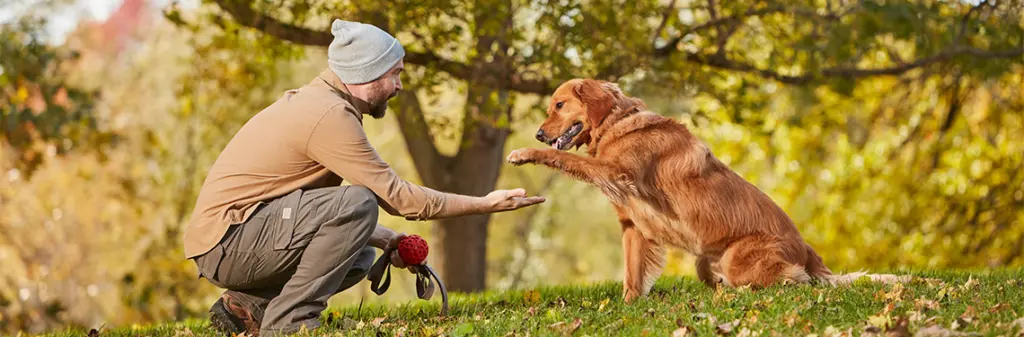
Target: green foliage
(988,303)
(40,115)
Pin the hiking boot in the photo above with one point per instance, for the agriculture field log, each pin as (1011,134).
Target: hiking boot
(234,314)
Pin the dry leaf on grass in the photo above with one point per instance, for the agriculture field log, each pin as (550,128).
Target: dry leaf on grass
(934,331)
(377,321)
(900,329)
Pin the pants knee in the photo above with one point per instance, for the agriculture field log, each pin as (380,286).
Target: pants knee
(362,201)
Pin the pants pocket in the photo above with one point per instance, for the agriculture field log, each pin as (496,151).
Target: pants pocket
(284,220)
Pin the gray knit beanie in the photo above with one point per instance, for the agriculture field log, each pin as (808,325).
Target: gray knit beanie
(360,52)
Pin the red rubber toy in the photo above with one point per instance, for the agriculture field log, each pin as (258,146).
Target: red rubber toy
(413,250)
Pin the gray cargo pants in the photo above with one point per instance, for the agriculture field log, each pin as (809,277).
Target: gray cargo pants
(295,252)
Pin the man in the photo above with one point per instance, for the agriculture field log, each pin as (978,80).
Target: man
(272,223)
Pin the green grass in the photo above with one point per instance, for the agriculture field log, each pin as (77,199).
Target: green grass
(977,303)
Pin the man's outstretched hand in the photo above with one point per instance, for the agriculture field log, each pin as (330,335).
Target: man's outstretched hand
(507,200)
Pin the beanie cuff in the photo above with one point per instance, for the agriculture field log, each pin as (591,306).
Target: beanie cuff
(371,70)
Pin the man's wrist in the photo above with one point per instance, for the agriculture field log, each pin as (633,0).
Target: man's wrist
(459,205)
(382,237)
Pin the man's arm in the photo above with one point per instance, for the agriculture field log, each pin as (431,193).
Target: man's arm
(339,143)
(382,237)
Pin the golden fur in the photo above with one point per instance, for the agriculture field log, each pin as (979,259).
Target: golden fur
(670,190)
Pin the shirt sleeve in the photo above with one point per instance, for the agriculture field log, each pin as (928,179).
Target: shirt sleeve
(339,143)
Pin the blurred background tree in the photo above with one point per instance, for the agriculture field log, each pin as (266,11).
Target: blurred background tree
(887,129)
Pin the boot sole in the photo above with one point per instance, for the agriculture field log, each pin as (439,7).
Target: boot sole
(224,322)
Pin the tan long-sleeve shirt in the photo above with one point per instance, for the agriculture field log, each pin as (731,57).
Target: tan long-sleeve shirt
(311,137)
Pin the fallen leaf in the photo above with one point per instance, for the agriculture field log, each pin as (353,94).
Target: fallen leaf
(681,332)
(925,304)
(893,295)
(531,311)
(916,316)
(899,330)
(934,331)
(531,296)
(576,325)
(999,307)
(604,302)
(879,320)
(831,331)
(969,314)
(377,321)
(726,327)
(971,283)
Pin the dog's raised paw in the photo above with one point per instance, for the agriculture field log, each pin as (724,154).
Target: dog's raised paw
(519,157)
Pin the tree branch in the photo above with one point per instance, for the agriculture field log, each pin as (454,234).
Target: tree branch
(664,20)
(853,72)
(243,13)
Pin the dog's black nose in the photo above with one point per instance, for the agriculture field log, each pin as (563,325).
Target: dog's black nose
(540,135)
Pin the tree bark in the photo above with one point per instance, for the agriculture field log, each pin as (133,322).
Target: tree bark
(475,170)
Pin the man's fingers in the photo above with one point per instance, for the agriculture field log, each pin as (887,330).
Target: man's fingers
(396,260)
(516,193)
(523,202)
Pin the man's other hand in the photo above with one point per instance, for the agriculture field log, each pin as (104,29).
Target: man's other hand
(396,260)
(507,200)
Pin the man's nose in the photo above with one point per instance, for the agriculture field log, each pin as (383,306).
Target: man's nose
(540,136)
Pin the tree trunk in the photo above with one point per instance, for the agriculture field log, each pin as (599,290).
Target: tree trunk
(460,250)
(474,171)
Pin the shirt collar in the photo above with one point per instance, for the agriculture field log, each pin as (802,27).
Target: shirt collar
(329,79)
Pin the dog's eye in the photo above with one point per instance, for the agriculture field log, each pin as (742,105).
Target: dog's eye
(559,105)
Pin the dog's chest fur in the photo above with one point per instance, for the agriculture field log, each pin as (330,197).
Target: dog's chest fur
(659,227)
(658,222)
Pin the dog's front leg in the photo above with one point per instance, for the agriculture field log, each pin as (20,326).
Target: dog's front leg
(644,262)
(587,169)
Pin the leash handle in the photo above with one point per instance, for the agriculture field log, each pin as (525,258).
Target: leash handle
(380,279)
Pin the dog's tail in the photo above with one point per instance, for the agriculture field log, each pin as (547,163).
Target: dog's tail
(817,270)
(849,278)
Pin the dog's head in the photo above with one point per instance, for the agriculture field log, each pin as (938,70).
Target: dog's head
(577,107)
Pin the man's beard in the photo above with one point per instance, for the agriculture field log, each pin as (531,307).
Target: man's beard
(379,102)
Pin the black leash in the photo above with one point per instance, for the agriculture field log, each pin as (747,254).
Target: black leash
(424,285)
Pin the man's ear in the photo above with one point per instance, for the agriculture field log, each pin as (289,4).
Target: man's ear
(597,100)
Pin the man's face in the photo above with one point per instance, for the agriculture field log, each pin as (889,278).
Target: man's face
(383,89)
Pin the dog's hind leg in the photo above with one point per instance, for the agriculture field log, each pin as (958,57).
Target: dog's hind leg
(644,261)
(759,262)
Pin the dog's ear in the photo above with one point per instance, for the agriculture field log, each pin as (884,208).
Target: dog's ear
(597,100)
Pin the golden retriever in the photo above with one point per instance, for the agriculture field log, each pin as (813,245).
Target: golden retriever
(670,190)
